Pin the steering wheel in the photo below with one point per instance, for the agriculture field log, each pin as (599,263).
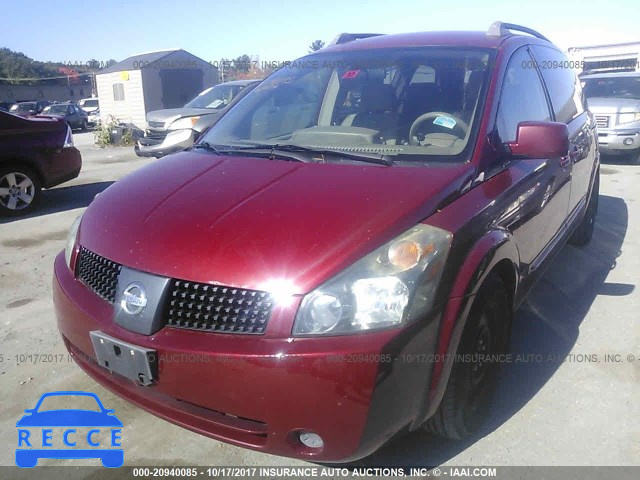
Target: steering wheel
(460,124)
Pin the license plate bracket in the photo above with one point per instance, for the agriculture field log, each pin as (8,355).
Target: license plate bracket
(131,361)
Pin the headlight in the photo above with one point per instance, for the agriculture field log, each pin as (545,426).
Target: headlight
(393,285)
(179,136)
(628,118)
(71,240)
(188,122)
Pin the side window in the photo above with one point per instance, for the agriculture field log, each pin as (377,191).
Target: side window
(118,92)
(522,97)
(561,81)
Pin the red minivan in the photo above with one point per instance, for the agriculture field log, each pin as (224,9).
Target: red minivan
(340,257)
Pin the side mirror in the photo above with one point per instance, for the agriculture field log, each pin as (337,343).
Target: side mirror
(540,140)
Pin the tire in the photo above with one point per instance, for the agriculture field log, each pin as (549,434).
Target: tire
(20,190)
(584,232)
(83,126)
(471,386)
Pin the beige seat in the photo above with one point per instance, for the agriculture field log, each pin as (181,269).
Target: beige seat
(377,111)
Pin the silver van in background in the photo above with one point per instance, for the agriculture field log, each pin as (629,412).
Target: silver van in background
(614,101)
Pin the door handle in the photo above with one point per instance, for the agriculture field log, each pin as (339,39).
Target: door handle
(574,153)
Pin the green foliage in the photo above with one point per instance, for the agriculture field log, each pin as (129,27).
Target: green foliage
(102,133)
(16,65)
(316,45)
(103,137)
(127,138)
(93,64)
(243,63)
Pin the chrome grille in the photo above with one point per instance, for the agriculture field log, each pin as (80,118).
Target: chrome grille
(156,124)
(213,308)
(602,121)
(98,273)
(190,305)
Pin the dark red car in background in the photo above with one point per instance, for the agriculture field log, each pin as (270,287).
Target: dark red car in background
(29,109)
(300,281)
(35,153)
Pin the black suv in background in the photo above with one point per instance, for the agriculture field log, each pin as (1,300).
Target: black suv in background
(72,114)
(28,109)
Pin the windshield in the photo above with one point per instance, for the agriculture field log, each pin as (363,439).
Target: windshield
(624,87)
(23,107)
(409,101)
(89,103)
(59,109)
(215,97)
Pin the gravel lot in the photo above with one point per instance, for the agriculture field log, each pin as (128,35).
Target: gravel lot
(580,411)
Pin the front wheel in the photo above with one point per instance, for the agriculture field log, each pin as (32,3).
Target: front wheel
(471,386)
(20,190)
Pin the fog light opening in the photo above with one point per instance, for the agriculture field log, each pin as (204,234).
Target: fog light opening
(311,440)
(628,141)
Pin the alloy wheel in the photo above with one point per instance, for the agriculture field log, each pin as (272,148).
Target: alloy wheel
(17,191)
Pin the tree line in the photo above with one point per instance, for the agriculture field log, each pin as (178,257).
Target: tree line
(18,69)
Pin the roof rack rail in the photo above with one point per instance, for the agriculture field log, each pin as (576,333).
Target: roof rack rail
(350,37)
(499,29)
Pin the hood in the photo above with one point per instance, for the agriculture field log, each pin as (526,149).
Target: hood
(245,222)
(89,109)
(172,114)
(612,105)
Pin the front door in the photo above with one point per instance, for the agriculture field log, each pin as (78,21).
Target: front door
(544,184)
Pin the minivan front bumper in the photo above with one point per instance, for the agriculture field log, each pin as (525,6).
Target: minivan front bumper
(354,391)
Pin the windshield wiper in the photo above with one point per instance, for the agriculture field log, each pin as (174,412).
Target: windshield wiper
(206,146)
(252,149)
(377,159)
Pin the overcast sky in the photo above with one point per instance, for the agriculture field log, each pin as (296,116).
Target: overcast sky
(75,31)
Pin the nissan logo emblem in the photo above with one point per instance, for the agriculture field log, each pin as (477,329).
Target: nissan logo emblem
(134,298)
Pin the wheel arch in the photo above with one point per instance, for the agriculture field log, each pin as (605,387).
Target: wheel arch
(24,162)
(495,253)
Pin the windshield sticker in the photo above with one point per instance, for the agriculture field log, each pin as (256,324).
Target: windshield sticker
(351,74)
(446,122)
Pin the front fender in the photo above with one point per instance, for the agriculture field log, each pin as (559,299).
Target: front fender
(495,247)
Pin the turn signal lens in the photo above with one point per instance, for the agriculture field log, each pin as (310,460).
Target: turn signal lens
(71,242)
(406,254)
